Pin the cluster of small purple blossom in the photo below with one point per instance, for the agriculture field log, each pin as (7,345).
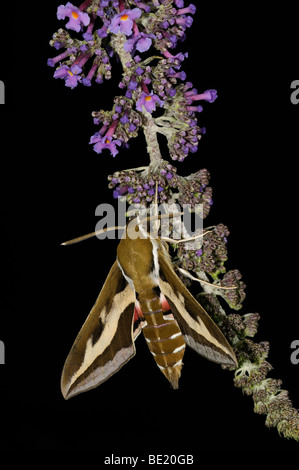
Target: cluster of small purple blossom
(158,23)
(211,257)
(182,110)
(118,125)
(162,184)
(140,187)
(234,297)
(143,25)
(268,396)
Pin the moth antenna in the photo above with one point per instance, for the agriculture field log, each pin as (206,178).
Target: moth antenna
(90,235)
(140,168)
(161,216)
(152,218)
(204,282)
(156,224)
(183,240)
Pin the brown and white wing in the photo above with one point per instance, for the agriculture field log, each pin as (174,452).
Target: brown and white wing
(106,340)
(198,329)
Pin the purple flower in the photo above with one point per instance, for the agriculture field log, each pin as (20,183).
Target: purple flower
(148,101)
(51,62)
(116,194)
(143,6)
(184,21)
(123,22)
(132,85)
(120,191)
(70,75)
(102,32)
(151,192)
(195,109)
(132,127)
(142,42)
(139,71)
(208,95)
(105,142)
(57,45)
(190,9)
(124,119)
(76,16)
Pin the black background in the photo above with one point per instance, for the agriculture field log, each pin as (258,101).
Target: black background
(52,182)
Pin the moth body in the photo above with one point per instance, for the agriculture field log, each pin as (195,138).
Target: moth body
(142,293)
(161,331)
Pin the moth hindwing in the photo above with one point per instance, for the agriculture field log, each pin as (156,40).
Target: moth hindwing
(142,293)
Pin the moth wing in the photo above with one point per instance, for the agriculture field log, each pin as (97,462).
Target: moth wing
(106,340)
(198,329)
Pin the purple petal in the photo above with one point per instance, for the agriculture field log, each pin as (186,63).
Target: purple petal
(143,44)
(74,25)
(115,24)
(129,44)
(61,72)
(84,18)
(133,14)
(126,26)
(62,12)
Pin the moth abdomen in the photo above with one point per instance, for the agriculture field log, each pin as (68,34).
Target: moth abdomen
(164,339)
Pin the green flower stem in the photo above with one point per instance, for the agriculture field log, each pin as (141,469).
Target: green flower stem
(150,132)
(150,129)
(117,43)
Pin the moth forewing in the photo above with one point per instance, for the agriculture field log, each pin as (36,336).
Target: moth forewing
(105,342)
(198,329)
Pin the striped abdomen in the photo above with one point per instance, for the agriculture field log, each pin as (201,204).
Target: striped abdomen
(164,338)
